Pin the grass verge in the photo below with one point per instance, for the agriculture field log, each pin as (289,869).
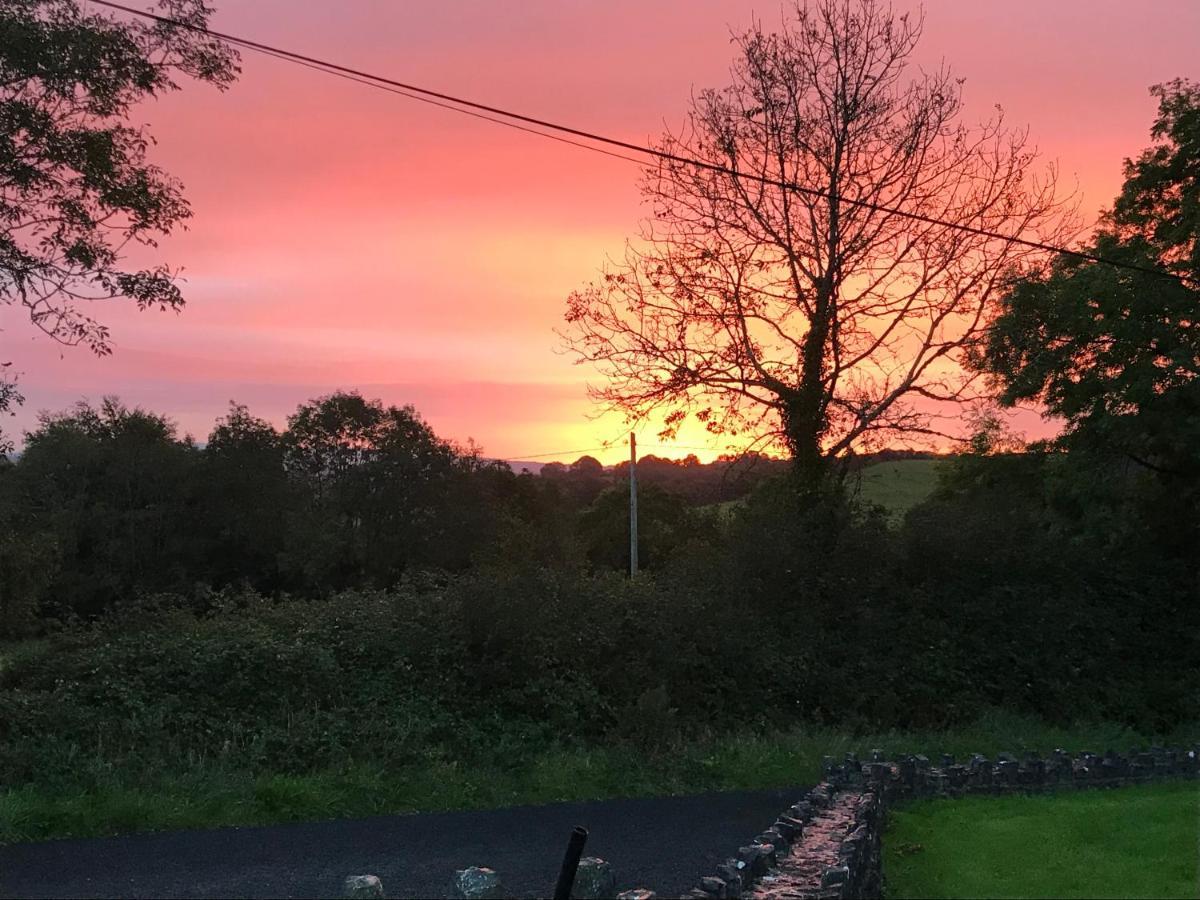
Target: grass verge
(1129,842)
(106,800)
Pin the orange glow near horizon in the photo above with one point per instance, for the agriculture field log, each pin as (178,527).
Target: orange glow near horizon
(346,238)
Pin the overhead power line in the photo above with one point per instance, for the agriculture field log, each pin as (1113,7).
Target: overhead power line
(522,122)
(532,456)
(522,457)
(432,102)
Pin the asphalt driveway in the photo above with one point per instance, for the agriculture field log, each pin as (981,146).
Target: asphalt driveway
(663,843)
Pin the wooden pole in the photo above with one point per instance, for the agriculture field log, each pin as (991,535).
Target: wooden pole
(633,533)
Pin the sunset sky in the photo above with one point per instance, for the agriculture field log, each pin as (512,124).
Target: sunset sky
(344,237)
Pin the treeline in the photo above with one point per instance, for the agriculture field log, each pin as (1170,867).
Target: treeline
(371,559)
(729,477)
(697,483)
(106,503)
(1037,583)
(398,600)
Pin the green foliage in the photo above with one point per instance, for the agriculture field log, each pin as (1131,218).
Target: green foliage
(666,526)
(78,186)
(376,481)
(803,553)
(1116,352)
(104,492)
(107,503)
(1003,589)
(9,397)
(1131,842)
(28,564)
(246,502)
(1044,600)
(984,599)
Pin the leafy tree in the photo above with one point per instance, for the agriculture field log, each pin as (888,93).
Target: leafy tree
(665,525)
(531,521)
(9,397)
(76,185)
(113,490)
(1115,352)
(779,290)
(582,480)
(247,500)
(28,566)
(379,480)
(328,437)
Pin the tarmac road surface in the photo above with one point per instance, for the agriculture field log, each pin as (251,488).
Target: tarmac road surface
(663,843)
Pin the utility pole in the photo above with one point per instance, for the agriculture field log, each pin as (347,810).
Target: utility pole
(633,540)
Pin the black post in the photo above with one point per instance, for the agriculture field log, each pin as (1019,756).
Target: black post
(566,877)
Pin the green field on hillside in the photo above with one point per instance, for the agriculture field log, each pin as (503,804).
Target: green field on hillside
(1129,842)
(900,485)
(897,486)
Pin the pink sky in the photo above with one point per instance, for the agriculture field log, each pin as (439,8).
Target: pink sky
(348,238)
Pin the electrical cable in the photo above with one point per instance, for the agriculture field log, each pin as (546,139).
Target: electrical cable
(488,113)
(532,456)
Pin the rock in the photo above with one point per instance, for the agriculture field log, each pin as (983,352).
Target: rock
(775,838)
(758,859)
(729,872)
(802,811)
(477,883)
(594,879)
(790,827)
(362,886)
(820,796)
(754,864)
(837,875)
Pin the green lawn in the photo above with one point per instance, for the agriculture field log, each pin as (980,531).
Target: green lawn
(899,486)
(1130,842)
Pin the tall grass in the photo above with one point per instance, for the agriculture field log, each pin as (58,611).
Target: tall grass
(109,801)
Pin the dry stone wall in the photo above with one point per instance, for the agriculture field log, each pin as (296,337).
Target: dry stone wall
(829,844)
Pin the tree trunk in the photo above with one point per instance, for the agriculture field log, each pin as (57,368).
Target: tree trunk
(802,426)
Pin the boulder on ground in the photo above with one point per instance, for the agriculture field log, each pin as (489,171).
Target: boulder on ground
(594,879)
(477,883)
(361,886)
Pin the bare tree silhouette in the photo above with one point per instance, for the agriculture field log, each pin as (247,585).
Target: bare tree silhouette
(814,316)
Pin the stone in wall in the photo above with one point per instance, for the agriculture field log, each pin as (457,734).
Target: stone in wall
(830,843)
